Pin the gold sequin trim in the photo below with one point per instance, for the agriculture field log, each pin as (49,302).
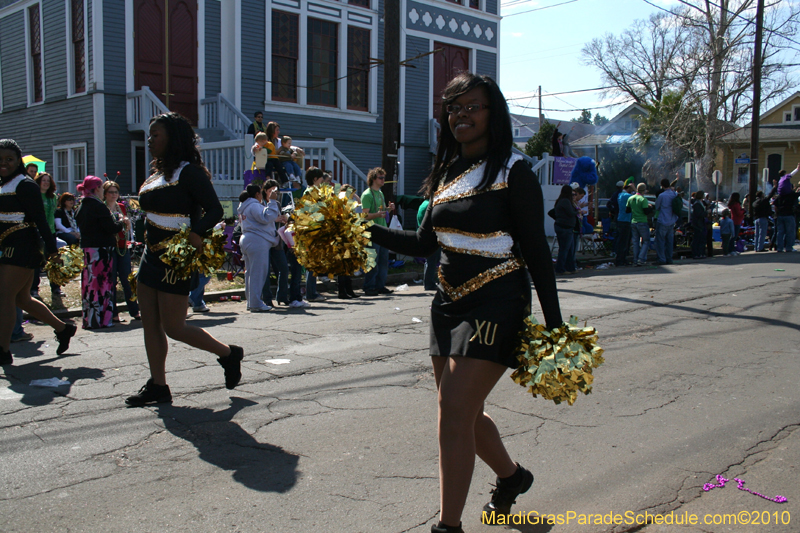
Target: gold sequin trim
(467,251)
(12,217)
(156,247)
(169,221)
(14,228)
(471,192)
(438,229)
(496,245)
(478,281)
(146,189)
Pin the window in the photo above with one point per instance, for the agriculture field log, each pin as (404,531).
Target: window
(284,56)
(743,174)
(516,132)
(323,55)
(475,4)
(362,3)
(787,117)
(70,166)
(37,86)
(357,68)
(78,46)
(797,113)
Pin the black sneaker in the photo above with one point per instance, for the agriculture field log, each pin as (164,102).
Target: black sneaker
(441,528)
(5,357)
(64,336)
(233,366)
(385,291)
(505,495)
(150,393)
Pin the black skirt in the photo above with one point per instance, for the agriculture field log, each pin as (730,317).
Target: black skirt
(23,249)
(155,274)
(485,324)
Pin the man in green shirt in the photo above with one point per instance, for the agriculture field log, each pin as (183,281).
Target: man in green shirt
(374,205)
(640,230)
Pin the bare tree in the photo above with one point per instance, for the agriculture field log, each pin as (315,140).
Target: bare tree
(701,54)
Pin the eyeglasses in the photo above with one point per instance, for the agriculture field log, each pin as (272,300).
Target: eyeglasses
(112,192)
(380,177)
(469,108)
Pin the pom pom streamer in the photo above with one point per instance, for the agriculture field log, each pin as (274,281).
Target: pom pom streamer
(330,236)
(133,280)
(557,363)
(185,259)
(67,266)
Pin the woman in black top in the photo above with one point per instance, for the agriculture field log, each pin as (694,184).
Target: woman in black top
(21,215)
(486,212)
(179,192)
(565,225)
(98,240)
(66,226)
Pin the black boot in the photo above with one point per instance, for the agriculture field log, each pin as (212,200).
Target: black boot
(348,286)
(233,366)
(340,281)
(5,357)
(63,337)
(505,493)
(441,528)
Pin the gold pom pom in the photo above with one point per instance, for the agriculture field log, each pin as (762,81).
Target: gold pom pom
(558,363)
(330,237)
(185,259)
(66,266)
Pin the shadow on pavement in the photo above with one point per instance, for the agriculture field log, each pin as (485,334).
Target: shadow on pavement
(223,443)
(36,396)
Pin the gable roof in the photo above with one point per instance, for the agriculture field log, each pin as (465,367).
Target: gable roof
(622,114)
(775,108)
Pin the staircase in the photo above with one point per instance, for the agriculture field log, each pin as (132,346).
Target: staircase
(225,145)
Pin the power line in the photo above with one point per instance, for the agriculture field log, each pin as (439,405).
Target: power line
(539,8)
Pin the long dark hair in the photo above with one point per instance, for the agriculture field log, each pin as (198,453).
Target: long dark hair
(735,199)
(51,189)
(249,192)
(566,193)
(11,144)
(181,146)
(500,136)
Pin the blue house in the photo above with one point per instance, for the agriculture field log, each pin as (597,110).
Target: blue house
(80,79)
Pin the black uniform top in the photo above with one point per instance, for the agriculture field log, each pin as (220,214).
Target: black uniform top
(97,225)
(480,231)
(21,198)
(189,195)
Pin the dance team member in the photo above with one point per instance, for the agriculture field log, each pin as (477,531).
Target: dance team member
(178,192)
(486,213)
(21,215)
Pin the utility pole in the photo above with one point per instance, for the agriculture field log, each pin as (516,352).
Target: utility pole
(391,94)
(541,117)
(756,105)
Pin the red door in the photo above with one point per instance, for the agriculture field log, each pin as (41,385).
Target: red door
(165,52)
(448,62)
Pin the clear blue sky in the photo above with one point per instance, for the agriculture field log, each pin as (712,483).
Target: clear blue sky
(543,48)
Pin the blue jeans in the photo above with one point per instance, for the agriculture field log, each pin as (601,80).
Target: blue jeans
(296,272)
(665,240)
(18,325)
(641,241)
(430,275)
(786,232)
(122,269)
(375,279)
(762,225)
(279,265)
(196,294)
(566,250)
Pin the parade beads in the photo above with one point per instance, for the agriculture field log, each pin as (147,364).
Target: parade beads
(184,259)
(557,363)
(330,237)
(68,266)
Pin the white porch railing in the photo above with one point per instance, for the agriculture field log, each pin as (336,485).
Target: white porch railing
(142,106)
(228,160)
(219,112)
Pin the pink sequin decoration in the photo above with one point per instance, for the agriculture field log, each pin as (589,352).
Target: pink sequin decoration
(710,486)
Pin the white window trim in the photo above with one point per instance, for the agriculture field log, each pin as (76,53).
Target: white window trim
(71,181)
(794,112)
(1,85)
(70,57)
(29,57)
(465,9)
(342,22)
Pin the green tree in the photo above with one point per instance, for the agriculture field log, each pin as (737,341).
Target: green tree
(585,118)
(542,141)
(599,120)
(623,163)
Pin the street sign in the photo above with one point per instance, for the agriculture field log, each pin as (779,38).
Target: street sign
(742,160)
(716,177)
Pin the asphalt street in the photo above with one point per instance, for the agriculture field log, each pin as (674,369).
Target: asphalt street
(333,428)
